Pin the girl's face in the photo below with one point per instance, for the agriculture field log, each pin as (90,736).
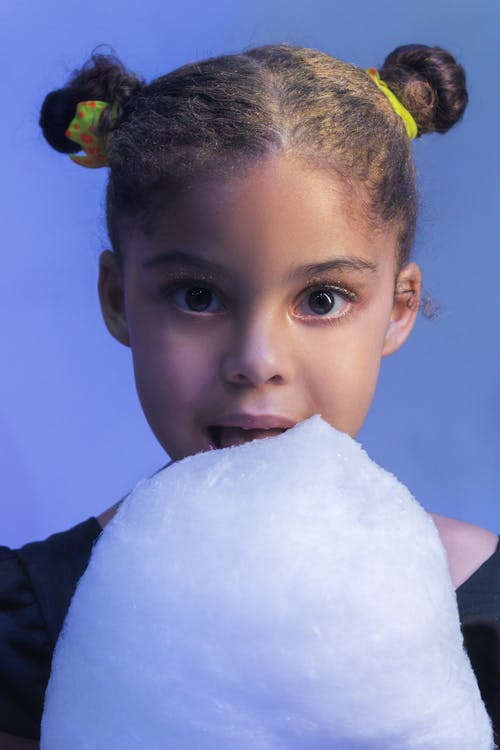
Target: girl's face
(255,303)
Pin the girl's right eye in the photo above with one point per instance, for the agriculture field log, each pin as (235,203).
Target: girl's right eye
(197,299)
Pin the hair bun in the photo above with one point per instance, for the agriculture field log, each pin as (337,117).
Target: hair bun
(103,78)
(429,83)
(58,109)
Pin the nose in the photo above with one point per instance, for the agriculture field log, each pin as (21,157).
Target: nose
(259,352)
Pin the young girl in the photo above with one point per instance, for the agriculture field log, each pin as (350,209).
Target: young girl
(261,209)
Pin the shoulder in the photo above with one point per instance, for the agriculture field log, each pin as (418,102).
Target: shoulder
(37,582)
(11,742)
(467,546)
(54,566)
(25,650)
(105,517)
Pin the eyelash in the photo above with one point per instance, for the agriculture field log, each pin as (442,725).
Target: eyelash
(348,296)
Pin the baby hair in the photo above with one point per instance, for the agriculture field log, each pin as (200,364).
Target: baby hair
(224,114)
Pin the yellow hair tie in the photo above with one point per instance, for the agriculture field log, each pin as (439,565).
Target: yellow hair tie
(83,130)
(410,124)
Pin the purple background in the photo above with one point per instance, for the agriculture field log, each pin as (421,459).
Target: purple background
(73,439)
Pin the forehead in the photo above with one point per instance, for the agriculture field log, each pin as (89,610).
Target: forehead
(277,213)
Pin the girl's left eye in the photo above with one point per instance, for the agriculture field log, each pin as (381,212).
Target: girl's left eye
(326,301)
(196,299)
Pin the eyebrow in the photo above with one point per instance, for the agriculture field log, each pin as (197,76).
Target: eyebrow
(342,263)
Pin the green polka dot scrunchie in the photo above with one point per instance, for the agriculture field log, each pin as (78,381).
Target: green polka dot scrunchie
(83,130)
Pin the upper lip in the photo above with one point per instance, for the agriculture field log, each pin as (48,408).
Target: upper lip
(255,421)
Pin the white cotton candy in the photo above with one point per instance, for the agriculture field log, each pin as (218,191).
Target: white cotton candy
(286,594)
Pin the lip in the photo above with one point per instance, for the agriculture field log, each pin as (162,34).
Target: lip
(248,421)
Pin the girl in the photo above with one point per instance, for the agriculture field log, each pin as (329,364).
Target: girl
(261,209)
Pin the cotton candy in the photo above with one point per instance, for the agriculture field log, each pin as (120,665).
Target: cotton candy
(285,594)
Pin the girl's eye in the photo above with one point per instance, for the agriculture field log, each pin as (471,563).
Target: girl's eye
(326,301)
(196,299)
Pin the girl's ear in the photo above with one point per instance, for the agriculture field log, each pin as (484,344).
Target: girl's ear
(112,296)
(405,308)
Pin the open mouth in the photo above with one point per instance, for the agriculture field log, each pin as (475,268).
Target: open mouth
(224,437)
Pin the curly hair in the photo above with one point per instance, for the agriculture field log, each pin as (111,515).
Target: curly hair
(228,112)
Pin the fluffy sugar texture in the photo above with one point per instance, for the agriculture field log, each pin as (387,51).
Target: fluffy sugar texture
(281,595)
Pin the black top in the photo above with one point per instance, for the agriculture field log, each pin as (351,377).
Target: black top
(37,583)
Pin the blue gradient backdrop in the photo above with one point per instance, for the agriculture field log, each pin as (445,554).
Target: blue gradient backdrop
(73,439)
